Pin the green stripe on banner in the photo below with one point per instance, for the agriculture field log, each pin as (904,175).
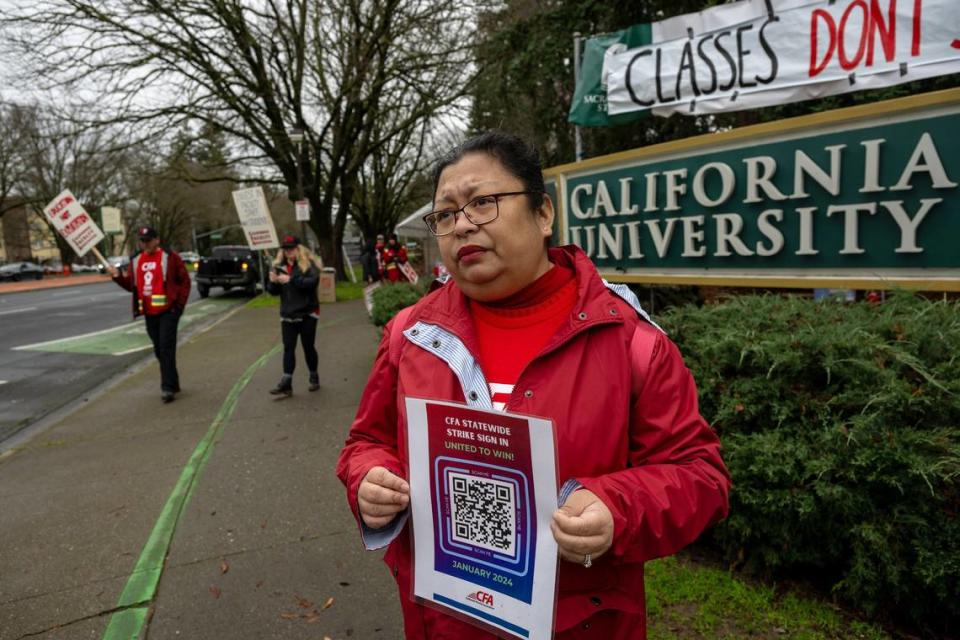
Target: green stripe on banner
(589,105)
(137,596)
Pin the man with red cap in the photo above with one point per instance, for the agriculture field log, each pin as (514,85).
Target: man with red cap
(160,285)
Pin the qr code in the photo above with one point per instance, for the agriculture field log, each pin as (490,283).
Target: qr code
(483,512)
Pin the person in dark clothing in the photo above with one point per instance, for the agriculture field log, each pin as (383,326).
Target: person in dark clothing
(294,277)
(160,285)
(369,261)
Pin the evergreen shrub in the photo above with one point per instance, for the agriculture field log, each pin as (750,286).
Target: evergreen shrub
(389,299)
(841,428)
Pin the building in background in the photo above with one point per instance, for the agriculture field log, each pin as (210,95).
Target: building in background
(24,236)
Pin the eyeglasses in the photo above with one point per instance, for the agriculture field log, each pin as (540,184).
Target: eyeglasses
(480,210)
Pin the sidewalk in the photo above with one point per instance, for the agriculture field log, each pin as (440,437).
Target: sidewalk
(264,540)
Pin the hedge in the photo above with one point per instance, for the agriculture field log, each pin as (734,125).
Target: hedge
(839,424)
(389,299)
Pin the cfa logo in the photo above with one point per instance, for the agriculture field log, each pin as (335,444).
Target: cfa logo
(482,598)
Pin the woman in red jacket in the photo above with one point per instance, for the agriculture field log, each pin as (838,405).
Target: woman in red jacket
(536,331)
(394,254)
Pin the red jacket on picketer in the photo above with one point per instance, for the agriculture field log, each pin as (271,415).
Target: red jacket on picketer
(628,429)
(176,280)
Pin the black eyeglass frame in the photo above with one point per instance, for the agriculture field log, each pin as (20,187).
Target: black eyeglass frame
(463,210)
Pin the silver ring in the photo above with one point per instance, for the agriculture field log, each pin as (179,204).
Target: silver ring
(587,562)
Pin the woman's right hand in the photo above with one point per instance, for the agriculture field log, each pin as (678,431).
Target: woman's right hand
(273,276)
(382,495)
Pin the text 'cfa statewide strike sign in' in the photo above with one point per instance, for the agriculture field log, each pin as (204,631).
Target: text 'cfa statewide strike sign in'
(759,53)
(864,192)
(483,490)
(255,217)
(73,223)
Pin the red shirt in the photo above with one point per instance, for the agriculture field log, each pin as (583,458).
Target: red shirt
(150,284)
(511,332)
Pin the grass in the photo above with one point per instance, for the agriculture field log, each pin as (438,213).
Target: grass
(346,290)
(264,300)
(687,600)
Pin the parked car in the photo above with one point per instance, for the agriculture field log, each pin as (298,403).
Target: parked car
(17,271)
(52,266)
(230,267)
(96,267)
(120,262)
(191,259)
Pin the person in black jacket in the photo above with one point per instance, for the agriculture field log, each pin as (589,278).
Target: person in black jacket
(294,277)
(369,260)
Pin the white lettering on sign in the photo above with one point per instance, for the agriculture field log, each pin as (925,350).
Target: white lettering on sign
(814,173)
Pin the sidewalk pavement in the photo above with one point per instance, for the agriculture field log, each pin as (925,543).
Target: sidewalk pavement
(227,496)
(51,282)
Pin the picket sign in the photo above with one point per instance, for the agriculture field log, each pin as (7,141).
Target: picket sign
(409,272)
(74,224)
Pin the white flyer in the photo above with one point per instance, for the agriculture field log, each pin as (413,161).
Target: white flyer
(483,488)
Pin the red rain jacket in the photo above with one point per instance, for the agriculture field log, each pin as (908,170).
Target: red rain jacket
(176,281)
(628,429)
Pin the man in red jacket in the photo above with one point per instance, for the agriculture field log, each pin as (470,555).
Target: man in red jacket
(160,285)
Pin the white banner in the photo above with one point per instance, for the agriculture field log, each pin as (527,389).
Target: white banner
(255,217)
(73,223)
(759,53)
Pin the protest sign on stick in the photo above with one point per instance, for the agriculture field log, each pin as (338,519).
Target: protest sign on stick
(255,217)
(74,224)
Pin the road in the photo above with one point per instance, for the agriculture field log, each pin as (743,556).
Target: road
(58,344)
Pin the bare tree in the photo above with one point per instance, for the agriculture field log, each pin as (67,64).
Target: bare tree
(58,154)
(15,123)
(255,70)
(386,183)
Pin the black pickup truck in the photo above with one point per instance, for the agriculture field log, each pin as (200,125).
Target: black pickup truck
(230,267)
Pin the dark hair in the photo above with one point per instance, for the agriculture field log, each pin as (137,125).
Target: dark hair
(518,157)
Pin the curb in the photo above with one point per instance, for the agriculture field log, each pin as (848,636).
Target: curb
(51,282)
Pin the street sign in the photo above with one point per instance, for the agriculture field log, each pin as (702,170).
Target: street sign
(110,217)
(302,208)
(255,217)
(73,223)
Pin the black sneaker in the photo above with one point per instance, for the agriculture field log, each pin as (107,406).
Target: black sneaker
(314,382)
(167,396)
(284,388)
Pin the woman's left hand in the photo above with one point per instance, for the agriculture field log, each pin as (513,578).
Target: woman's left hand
(582,525)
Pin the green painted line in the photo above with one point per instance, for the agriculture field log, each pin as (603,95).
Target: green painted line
(142,584)
(141,587)
(127,623)
(125,338)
